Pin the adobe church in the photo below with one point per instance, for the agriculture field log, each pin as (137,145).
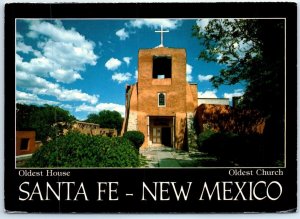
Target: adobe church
(161,103)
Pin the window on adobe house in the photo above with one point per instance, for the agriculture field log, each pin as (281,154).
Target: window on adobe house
(162,67)
(161,99)
(24,144)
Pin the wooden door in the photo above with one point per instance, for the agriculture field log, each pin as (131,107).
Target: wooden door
(156,135)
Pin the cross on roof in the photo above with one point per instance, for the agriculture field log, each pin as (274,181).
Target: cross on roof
(161,31)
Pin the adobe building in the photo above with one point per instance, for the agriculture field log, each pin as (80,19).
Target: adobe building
(25,142)
(92,129)
(162,102)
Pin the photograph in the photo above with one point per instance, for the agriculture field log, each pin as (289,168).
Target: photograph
(150,92)
(115,108)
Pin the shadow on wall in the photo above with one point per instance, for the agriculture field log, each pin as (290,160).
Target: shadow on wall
(240,135)
(221,118)
(181,139)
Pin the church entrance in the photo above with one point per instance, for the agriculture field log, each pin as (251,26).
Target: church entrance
(161,130)
(166,136)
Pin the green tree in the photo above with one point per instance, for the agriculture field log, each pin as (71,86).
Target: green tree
(107,119)
(250,51)
(23,113)
(47,121)
(93,118)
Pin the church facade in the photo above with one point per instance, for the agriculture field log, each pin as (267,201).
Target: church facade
(162,102)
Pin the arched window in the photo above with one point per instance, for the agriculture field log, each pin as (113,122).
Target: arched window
(161,99)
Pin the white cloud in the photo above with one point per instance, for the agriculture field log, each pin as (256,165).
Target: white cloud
(31,81)
(66,106)
(208,94)
(101,106)
(121,77)
(75,95)
(22,47)
(40,86)
(40,66)
(127,60)
(19,36)
(57,32)
(32,34)
(156,23)
(136,74)
(63,53)
(66,76)
(122,34)
(235,93)
(202,23)
(67,55)
(241,47)
(189,70)
(169,24)
(69,40)
(28,98)
(86,108)
(113,64)
(204,77)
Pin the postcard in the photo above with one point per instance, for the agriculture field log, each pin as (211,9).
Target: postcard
(151,107)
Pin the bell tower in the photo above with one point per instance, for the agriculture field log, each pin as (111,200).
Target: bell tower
(161,101)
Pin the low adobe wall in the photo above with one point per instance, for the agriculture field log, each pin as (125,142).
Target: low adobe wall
(93,129)
(224,118)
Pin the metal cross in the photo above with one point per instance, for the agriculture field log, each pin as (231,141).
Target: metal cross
(161,31)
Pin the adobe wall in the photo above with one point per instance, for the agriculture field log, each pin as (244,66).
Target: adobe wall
(149,87)
(142,98)
(143,127)
(191,97)
(93,129)
(180,133)
(130,119)
(174,87)
(32,147)
(224,118)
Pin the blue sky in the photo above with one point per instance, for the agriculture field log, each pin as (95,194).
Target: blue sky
(84,65)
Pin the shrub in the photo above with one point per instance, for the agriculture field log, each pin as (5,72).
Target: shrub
(80,150)
(222,145)
(136,137)
(219,144)
(203,136)
(244,150)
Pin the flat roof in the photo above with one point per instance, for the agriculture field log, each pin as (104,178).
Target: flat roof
(212,98)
